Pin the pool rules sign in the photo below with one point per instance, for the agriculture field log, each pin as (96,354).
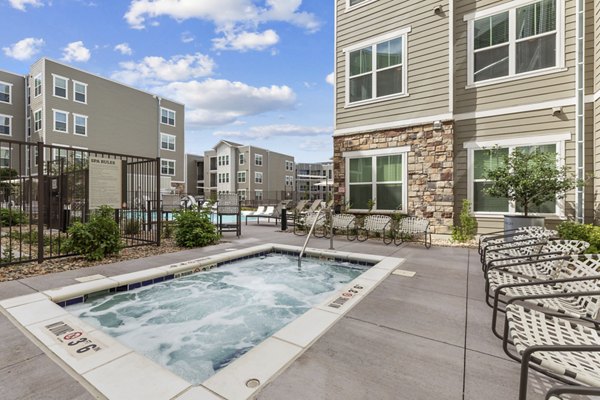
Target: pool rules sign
(105,182)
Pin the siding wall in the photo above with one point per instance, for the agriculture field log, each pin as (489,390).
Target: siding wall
(16,108)
(597,108)
(427,59)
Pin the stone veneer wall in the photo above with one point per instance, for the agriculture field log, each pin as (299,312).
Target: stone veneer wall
(430,168)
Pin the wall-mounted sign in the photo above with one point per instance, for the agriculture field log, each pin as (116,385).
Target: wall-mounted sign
(105,182)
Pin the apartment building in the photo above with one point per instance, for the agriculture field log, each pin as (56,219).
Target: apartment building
(314,181)
(65,106)
(424,90)
(194,166)
(256,174)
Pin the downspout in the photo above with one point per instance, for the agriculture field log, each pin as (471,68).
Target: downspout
(580,109)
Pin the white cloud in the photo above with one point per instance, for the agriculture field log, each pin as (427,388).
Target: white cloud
(124,49)
(314,144)
(218,102)
(330,79)
(156,70)
(76,51)
(21,4)
(285,130)
(244,41)
(24,49)
(224,13)
(187,37)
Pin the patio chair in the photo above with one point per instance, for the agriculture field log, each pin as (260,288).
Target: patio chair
(346,223)
(522,239)
(376,224)
(411,229)
(505,236)
(559,348)
(304,222)
(557,392)
(313,207)
(574,292)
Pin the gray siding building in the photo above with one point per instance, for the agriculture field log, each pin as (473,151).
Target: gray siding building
(424,89)
(64,106)
(194,173)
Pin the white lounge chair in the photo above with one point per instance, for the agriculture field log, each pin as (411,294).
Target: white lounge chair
(268,213)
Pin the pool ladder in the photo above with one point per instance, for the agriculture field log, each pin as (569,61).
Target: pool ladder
(312,228)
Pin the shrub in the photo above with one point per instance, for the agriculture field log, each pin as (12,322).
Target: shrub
(10,217)
(132,227)
(569,230)
(97,238)
(194,229)
(167,229)
(467,226)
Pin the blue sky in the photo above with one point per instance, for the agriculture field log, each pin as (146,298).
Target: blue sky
(250,71)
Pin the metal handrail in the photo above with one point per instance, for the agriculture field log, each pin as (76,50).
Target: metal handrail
(312,228)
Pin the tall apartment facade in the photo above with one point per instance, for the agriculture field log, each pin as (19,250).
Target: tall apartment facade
(314,181)
(194,173)
(256,174)
(424,90)
(67,107)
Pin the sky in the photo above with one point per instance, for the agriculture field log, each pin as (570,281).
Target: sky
(251,71)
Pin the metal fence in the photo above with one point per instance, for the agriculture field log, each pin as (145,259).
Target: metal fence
(44,189)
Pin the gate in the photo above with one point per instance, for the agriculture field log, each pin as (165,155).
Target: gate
(44,189)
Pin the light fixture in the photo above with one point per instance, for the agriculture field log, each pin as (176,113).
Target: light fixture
(557,111)
(437,125)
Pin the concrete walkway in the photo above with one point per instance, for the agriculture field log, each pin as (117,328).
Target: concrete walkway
(425,337)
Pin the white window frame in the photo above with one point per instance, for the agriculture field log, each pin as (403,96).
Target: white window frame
(174,116)
(10,97)
(242,158)
(7,150)
(393,151)
(258,177)
(162,162)
(511,7)
(10,124)
(241,174)
(28,128)
(85,117)
(37,78)
(355,6)
(242,194)
(85,85)
(168,142)
(54,111)
(256,196)
(400,33)
(510,143)
(41,120)
(258,157)
(54,77)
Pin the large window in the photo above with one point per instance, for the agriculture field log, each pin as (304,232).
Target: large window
(61,86)
(489,159)
(37,121)
(242,194)
(5,92)
(242,160)
(242,177)
(515,41)
(258,159)
(376,179)
(377,70)
(258,194)
(258,177)
(167,167)
(37,85)
(61,121)
(4,157)
(167,116)
(5,124)
(167,142)
(80,92)
(80,123)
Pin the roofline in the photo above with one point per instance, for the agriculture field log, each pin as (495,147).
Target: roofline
(267,150)
(12,73)
(194,155)
(107,79)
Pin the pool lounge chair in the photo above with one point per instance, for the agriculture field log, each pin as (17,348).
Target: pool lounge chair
(303,224)
(268,213)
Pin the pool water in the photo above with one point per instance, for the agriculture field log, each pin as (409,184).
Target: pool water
(198,324)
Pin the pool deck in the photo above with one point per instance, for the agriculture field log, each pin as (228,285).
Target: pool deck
(422,337)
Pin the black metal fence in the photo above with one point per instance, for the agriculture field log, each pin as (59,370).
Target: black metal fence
(44,189)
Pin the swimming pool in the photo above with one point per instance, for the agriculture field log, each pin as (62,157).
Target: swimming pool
(198,324)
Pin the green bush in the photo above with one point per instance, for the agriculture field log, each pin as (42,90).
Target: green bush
(10,217)
(132,227)
(569,230)
(97,238)
(467,227)
(194,229)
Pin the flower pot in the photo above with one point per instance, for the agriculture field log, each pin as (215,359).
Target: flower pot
(520,221)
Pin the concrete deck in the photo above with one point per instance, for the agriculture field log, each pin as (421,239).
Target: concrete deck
(425,337)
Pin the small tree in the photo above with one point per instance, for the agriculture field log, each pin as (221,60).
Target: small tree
(529,179)
(467,227)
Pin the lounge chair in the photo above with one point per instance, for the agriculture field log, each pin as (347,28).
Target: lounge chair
(376,224)
(268,213)
(523,239)
(506,236)
(304,222)
(556,393)
(313,207)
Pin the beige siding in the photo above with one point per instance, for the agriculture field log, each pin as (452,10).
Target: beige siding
(427,59)
(16,108)
(516,92)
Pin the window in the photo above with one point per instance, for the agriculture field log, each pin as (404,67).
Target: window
(355,2)
(167,167)
(224,178)
(167,142)
(80,123)
(289,165)
(4,157)
(258,159)
(5,92)
(80,92)
(258,194)
(377,176)
(37,85)
(289,180)
(516,41)
(28,126)
(5,124)
(377,70)
(242,160)
(258,177)
(242,194)
(61,121)
(167,116)
(37,121)
(485,159)
(61,86)
(242,177)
